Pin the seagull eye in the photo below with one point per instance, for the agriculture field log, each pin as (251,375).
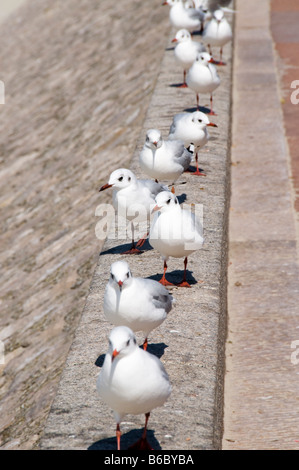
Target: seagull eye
(128,275)
(129,179)
(112,276)
(176,201)
(167,202)
(199,120)
(121,178)
(128,342)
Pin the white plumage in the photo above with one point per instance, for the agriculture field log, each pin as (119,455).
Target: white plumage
(181,16)
(191,128)
(202,77)
(217,32)
(141,304)
(131,381)
(132,197)
(175,232)
(164,159)
(186,50)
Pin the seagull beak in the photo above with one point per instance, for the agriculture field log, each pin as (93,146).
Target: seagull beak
(165,3)
(106,186)
(174,40)
(120,283)
(211,60)
(156,208)
(212,124)
(114,354)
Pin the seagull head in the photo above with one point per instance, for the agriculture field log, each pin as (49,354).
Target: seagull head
(119,179)
(218,15)
(122,341)
(153,139)
(166,201)
(203,58)
(120,274)
(182,35)
(201,120)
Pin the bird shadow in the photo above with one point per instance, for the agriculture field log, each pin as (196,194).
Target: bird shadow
(176,277)
(123,248)
(170,48)
(127,439)
(203,109)
(157,349)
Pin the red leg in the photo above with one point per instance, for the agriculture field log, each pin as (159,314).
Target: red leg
(142,240)
(118,433)
(133,250)
(163,280)
(198,172)
(197,101)
(211,107)
(142,443)
(184,283)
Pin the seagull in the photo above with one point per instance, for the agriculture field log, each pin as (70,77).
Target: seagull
(141,304)
(186,50)
(191,128)
(131,381)
(181,16)
(174,232)
(202,77)
(217,33)
(164,159)
(132,196)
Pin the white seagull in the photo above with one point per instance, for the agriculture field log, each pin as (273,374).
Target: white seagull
(131,381)
(174,232)
(191,128)
(181,16)
(217,32)
(141,304)
(133,198)
(164,159)
(202,77)
(186,50)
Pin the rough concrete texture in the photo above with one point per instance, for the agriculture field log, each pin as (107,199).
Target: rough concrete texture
(191,341)
(78,76)
(261,384)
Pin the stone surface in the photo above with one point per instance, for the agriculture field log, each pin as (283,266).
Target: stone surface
(78,78)
(261,383)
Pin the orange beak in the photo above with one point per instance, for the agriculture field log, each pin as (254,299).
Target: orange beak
(174,40)
(156,208)
(120,283)
(114,354)
(212,124)
(106,186)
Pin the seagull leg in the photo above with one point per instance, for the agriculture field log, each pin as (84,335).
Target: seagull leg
(197,101)
(142,443)
(211,107)
(184,84)
(133,250)
(184,282)
(198,172)
(172,189)
(142,240)
(118,434)
(220,61)
(163,280)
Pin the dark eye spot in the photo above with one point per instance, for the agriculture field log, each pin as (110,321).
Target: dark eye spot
(128,275)
(167,202)
(129,179)
(112,276)
(176,201)
(121,178)
(128,342)
(199,120)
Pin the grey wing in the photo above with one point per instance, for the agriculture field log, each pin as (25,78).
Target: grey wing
(154,187)
(200,47)
(163,300)
(196,13)
(175,120)
(181,155)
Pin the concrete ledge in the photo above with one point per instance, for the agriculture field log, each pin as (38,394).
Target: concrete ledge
(191,342)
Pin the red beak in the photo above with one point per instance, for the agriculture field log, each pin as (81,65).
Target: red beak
(212,124)
(120,283)
(114,354)
(106,186)
(156,208)
(174,40)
